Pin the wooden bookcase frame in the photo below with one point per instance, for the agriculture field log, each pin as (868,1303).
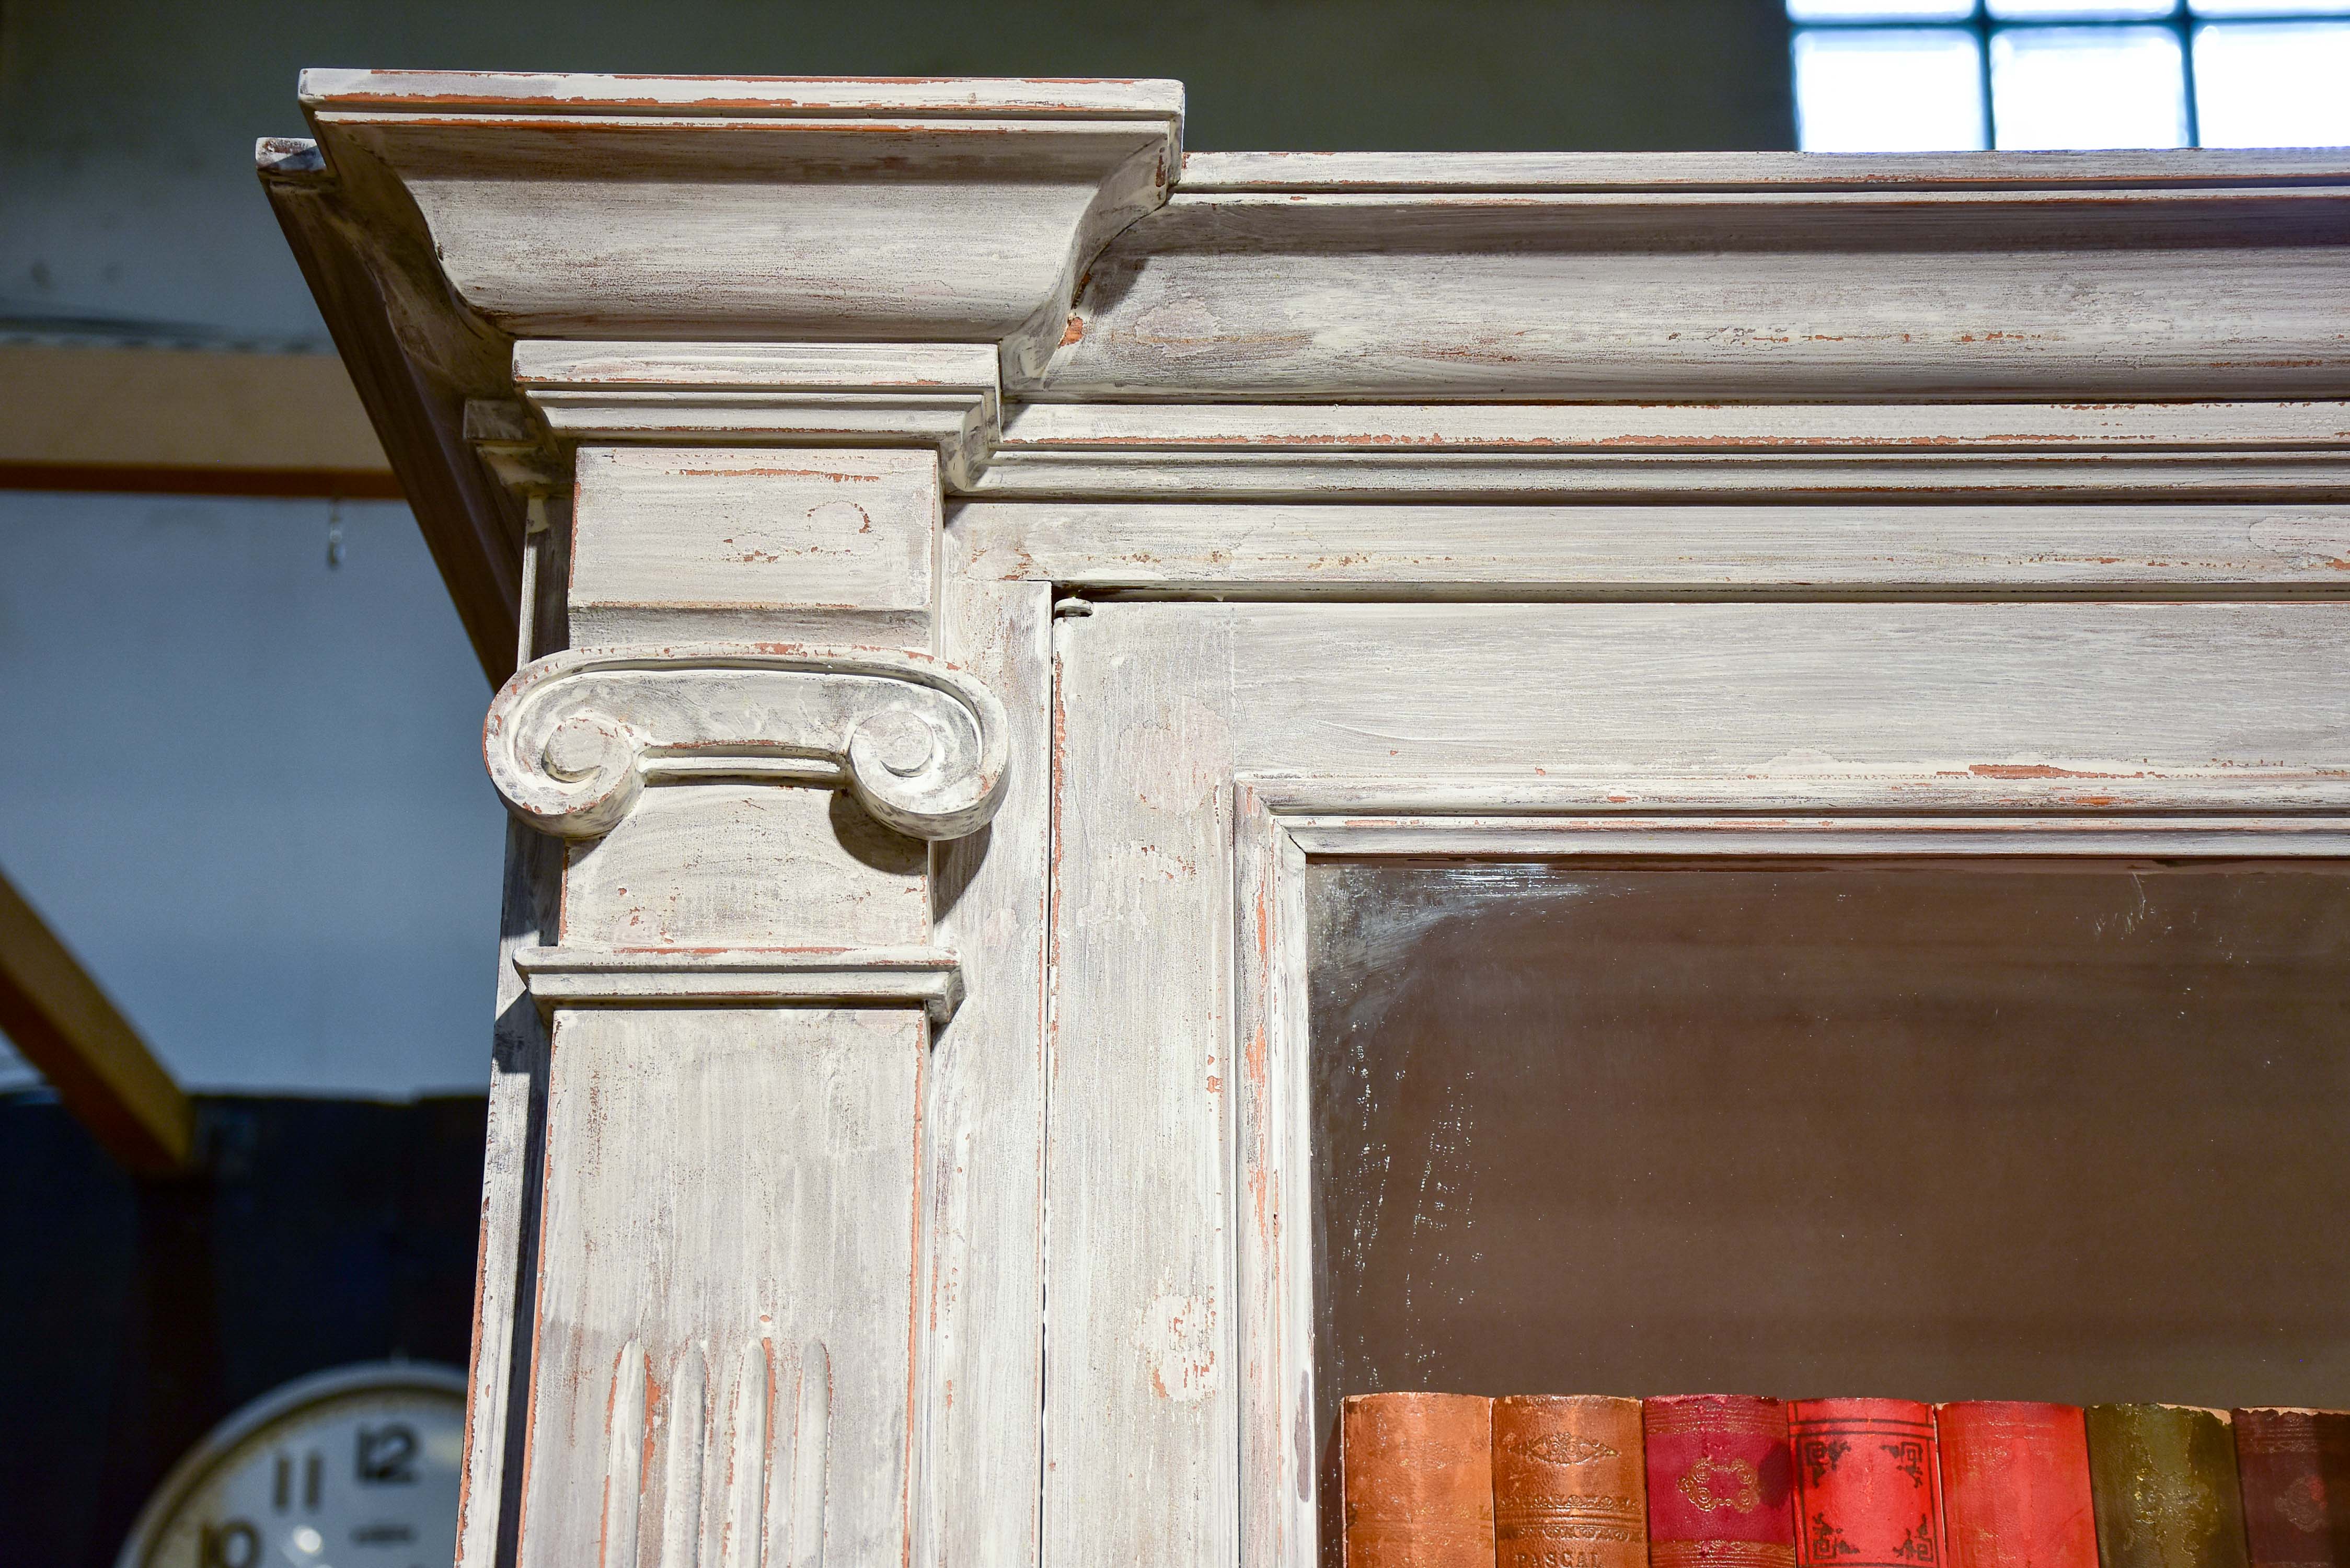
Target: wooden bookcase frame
(1121,528)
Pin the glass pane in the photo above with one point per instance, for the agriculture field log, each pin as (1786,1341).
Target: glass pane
(2087,87)
(1891,89)
(2080,10)
(1880,10)
(2269,7)
(1942,1130)
(2273,84)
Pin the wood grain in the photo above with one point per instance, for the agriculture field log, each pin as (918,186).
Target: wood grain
(1751,294)
(1291,551)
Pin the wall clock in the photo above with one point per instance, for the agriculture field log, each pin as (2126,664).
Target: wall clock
(356,1468)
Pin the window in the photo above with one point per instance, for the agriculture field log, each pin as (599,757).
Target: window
(1918,76)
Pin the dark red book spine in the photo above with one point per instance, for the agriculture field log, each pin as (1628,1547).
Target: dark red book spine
(2294,1467)
(2015,1485)
(1719,1488)
(1868,1484)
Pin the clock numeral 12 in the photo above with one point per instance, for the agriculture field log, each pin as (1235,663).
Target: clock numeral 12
(387,1456)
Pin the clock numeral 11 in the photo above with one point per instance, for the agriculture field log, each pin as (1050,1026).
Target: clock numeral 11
(314,1474)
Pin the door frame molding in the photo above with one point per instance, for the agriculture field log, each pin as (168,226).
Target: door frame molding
(1279,824)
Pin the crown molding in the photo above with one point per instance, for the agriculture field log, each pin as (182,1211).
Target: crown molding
(852,229)
(573,738)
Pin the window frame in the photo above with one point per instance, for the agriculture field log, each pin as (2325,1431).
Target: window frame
(2182,22)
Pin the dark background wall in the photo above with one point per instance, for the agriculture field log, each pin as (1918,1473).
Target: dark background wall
(243,935)
(125,129)
(136,1315)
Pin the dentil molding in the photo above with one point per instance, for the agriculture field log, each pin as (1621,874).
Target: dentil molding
(572,738)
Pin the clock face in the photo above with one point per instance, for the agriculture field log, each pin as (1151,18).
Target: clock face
(356,1468)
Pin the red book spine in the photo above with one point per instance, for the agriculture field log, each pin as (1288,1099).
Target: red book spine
(1718,1482)
(2015,1485)
(2294,1467)
(1868,1484)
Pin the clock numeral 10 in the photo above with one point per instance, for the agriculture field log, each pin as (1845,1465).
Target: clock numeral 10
(233,1543)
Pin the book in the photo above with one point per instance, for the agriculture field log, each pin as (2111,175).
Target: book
(1569,1482)
(2293,1469)
(1417,1476)
(1869,1483)
(2015,1485)
(2162,1479)
(1720,1487)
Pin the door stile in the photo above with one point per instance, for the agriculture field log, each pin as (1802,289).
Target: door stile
(1142,1442)
(981,1337)
(1280,1487)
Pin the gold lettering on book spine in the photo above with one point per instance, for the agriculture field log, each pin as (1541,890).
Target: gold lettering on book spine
(1720,1555)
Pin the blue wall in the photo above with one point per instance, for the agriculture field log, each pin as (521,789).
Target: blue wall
(247,787)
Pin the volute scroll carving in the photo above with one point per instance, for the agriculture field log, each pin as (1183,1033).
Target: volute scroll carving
(573,737)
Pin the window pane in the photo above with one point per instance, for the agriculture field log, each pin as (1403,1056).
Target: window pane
(2088,86)
(2080,10)
(1890,89)
(2273,84)
(2269,7)
(1880,10)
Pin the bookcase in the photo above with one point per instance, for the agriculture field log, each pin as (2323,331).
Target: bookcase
(1151,790)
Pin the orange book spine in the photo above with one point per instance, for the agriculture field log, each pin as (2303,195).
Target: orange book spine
(1570,1488)
(1418,1479)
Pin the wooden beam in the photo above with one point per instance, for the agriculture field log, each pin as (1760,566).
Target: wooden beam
(63,1024)
(195,422)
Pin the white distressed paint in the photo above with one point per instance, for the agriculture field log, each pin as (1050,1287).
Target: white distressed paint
(1363,503)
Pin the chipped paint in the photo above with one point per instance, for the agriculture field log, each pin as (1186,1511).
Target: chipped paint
(1176,1337)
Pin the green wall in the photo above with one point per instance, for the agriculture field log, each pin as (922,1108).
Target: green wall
(126,183)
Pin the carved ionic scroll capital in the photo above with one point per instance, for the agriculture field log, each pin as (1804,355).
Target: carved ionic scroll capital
(572,738)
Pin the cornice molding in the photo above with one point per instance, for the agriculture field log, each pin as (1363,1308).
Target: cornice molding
(943,396)
(779,209)
(573,738)
(927,977)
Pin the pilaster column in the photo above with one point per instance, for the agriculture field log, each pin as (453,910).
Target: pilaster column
(747,751)
(753,328)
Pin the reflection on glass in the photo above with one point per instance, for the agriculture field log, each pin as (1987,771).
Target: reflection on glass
(1941,1130)
(2273,84)
(1888,91)
(1879,10)
(2079,10)
(2088,86)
